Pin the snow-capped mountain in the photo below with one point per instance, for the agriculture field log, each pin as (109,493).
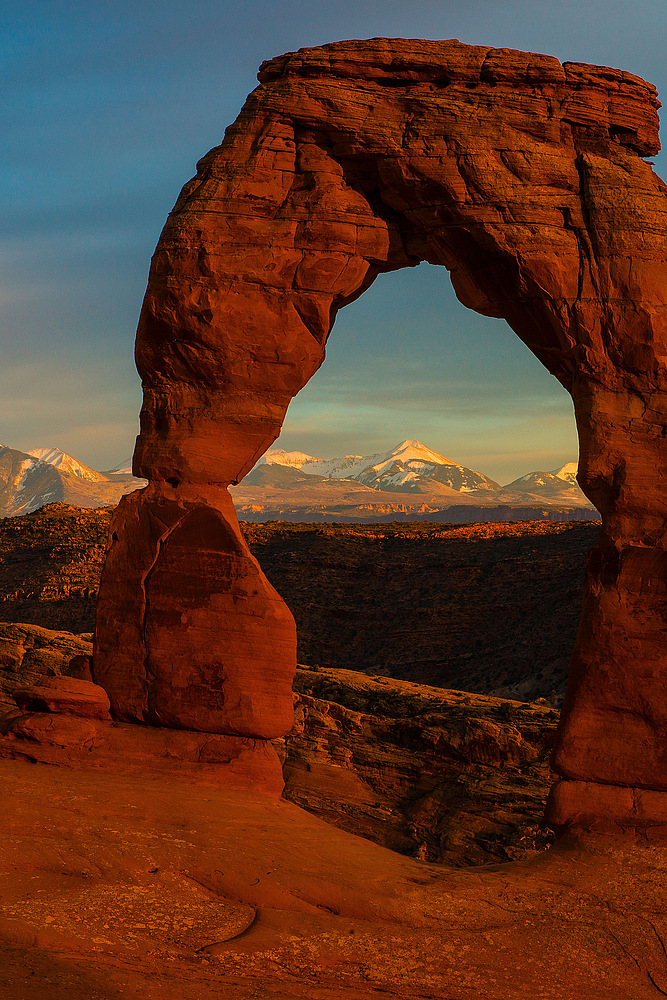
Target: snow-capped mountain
(66,463)
(276,456)
(560,486)
(410,481)
(24,479)
(29,480)
(409,467)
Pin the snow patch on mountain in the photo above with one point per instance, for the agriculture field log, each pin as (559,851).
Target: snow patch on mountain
(295,459)
(568,472)
(66,463)
(24,470)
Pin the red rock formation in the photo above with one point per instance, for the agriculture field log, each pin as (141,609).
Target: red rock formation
(525,178)
(191,634)
(66,695)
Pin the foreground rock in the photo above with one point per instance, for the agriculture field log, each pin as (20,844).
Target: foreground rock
(161,862)
(189,618)
(440,775)
(115,886)
(65,696)
(29,653)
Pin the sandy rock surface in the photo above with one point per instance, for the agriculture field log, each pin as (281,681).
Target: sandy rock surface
(436,774)
(112,886)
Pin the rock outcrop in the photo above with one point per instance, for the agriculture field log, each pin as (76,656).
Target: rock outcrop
(65,696)
(30,655)
(441,775)
(526,179)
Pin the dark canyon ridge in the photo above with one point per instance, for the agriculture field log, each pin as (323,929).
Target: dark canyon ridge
(489,608)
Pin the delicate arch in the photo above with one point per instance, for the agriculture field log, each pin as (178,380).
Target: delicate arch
(525,179)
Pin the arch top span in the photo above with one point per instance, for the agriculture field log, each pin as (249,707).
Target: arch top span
(522,176)
(526,179)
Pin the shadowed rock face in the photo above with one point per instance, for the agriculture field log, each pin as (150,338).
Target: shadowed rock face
(525,179)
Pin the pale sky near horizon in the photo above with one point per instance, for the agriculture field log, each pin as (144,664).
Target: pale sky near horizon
(107,109)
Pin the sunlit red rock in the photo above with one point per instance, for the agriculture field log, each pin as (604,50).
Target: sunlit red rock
(191,634)
(527,180)
(65,695)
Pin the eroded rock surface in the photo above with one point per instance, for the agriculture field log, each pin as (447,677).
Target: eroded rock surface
(440,775)
(527,180)
(65,695)
(29,654)
(114,886)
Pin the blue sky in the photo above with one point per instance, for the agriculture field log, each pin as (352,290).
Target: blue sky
(107,108)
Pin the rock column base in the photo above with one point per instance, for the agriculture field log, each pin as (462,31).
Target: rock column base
(220,761)
(586,806)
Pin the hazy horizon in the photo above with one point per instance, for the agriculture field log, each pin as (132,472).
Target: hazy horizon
(109,109)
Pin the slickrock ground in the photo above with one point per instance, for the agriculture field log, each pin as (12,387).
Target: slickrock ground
(491,608)
(116,885)
(153,880)
(439,775)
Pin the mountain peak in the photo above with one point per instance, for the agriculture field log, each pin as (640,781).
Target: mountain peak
(568,472)
(66,463)
(411,449)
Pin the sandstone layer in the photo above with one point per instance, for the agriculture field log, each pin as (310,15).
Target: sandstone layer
(193,634)
(527,180)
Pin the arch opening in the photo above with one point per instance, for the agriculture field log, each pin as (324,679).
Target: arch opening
(407,351)
(407,360)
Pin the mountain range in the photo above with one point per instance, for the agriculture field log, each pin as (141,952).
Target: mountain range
(413,480)
(28,480)
(408,482)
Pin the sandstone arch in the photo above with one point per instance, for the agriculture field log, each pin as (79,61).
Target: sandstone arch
(526,179)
